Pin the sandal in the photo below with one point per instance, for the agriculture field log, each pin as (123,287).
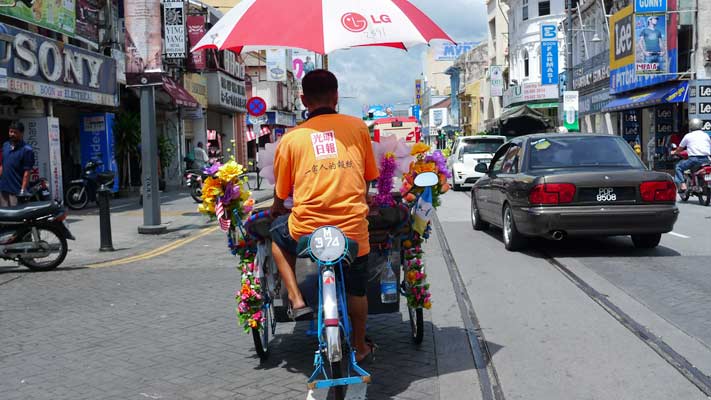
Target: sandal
(370,357)
(305,313)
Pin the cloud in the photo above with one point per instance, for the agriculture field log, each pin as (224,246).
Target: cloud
(376,75)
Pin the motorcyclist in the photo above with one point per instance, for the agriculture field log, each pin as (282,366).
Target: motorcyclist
(697,144)
(326,162)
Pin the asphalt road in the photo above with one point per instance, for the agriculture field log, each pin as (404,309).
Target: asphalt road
(549,339)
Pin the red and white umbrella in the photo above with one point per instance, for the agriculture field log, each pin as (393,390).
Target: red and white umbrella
(321,26)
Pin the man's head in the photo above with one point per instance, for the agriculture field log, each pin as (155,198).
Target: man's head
(695,124)
(652,22)
(200,145)
(320,90)
(16,130)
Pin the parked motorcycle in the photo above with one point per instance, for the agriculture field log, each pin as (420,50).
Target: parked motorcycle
(194,179)
(698,180)
(80,191)
(34,234)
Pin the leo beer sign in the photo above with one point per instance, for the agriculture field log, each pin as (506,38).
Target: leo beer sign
(700,102)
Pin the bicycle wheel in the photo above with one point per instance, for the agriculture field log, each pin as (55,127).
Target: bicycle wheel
(261,336)
(416,324)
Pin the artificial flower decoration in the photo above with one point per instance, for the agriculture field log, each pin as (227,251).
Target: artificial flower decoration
(388,165)
(266,161)
(397,147)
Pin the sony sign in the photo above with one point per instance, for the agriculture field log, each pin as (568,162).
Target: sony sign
(34,65)
(66,64)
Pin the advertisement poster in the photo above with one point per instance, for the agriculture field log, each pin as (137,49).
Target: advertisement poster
(97,142)
(549,55)
(497,81)
(58,16)
(87,22)
(196,30)
(651,38)
(43,135)
(632,126)
(450,52)
(143,42)
(571,107)
(303,62)
(174,29)
(276,65)
(418,92)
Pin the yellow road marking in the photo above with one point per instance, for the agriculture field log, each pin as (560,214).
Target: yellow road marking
(155,252)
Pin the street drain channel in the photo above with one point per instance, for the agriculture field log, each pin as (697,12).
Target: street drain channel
(485,369)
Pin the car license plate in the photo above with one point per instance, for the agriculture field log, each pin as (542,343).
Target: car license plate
(606,195)
(707,178)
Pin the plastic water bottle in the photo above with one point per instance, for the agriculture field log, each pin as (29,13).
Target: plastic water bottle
(388,285)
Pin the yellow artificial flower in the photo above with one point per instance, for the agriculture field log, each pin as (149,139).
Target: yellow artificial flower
(419,148)
(207,208)
(411,276)
(253,324)
(211,188)
(230,171)
(389,154)
(420,167)
(249,202)
(428,305)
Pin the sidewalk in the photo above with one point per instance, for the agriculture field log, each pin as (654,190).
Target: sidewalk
(178,212)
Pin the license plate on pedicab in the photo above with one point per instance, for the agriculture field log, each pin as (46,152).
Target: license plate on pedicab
(707,178)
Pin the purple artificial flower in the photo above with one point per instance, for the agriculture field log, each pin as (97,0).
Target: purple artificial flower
(441,162)
(212,170)
(232,192)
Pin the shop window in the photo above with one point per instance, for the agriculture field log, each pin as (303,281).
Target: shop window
(525,10)
(686,40)
(544,8)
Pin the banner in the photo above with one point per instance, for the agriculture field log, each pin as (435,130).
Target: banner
(43,135)
(302,63)
(549,55)
(276,65)
(450,52)
(418,92)
(96,134)
(497,81)
(143,42)
(196,30)
(87,22)
(58,16)
(174,28)
(651,49)
(571,106)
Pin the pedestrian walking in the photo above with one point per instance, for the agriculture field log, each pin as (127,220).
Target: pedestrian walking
(17,162)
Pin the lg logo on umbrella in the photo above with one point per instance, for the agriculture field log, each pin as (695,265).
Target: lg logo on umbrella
(355,22)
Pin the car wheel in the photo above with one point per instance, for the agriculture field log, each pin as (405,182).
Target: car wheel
(477,223)
(648,241)
(513,239)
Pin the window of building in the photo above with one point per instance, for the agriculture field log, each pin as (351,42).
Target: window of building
(525,10)
(544,8)
(525,63)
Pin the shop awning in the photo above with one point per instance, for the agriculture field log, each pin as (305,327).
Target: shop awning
(674,93)
(179,96)
(520,120)
(250,135)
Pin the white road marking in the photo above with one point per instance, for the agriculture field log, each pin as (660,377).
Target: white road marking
(679,235)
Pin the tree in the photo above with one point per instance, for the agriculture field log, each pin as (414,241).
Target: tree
(127,137)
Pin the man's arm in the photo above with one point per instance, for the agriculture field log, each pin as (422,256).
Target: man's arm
(641,44)
(25,180)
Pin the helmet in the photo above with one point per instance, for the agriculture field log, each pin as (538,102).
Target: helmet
(562,129)
(695,124)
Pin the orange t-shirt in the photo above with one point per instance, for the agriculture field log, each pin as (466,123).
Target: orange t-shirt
(328,161)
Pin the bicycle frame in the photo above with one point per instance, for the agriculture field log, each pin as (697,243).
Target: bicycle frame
(332,318)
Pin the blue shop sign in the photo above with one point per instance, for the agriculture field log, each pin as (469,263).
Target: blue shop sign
(624,79)
(650,6)
(34,65)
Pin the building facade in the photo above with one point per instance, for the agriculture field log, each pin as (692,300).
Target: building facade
(498,57)
(472,67)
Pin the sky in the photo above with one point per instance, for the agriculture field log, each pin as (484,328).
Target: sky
(379,75)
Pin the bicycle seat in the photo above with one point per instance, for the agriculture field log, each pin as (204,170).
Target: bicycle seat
(302,249)
(259,223)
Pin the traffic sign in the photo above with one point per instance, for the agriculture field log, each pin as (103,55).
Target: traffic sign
(256,106)
(258,120)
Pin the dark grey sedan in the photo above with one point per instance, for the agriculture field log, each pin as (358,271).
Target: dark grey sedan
(558,185)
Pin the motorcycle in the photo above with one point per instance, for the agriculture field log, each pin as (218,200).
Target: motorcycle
(34,234)
(697,179)
(194,179)
(80,191)
(37,190)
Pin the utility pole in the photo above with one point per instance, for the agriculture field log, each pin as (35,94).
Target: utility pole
(569,46)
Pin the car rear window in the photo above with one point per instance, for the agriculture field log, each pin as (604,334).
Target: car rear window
(481,146)
(581,152)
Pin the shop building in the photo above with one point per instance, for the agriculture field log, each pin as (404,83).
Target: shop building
(496,72)
(536,62)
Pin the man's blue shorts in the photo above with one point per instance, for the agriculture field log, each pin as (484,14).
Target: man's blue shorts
(356,273)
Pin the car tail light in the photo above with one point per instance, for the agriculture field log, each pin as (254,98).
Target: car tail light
(658,191)
(552,193)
